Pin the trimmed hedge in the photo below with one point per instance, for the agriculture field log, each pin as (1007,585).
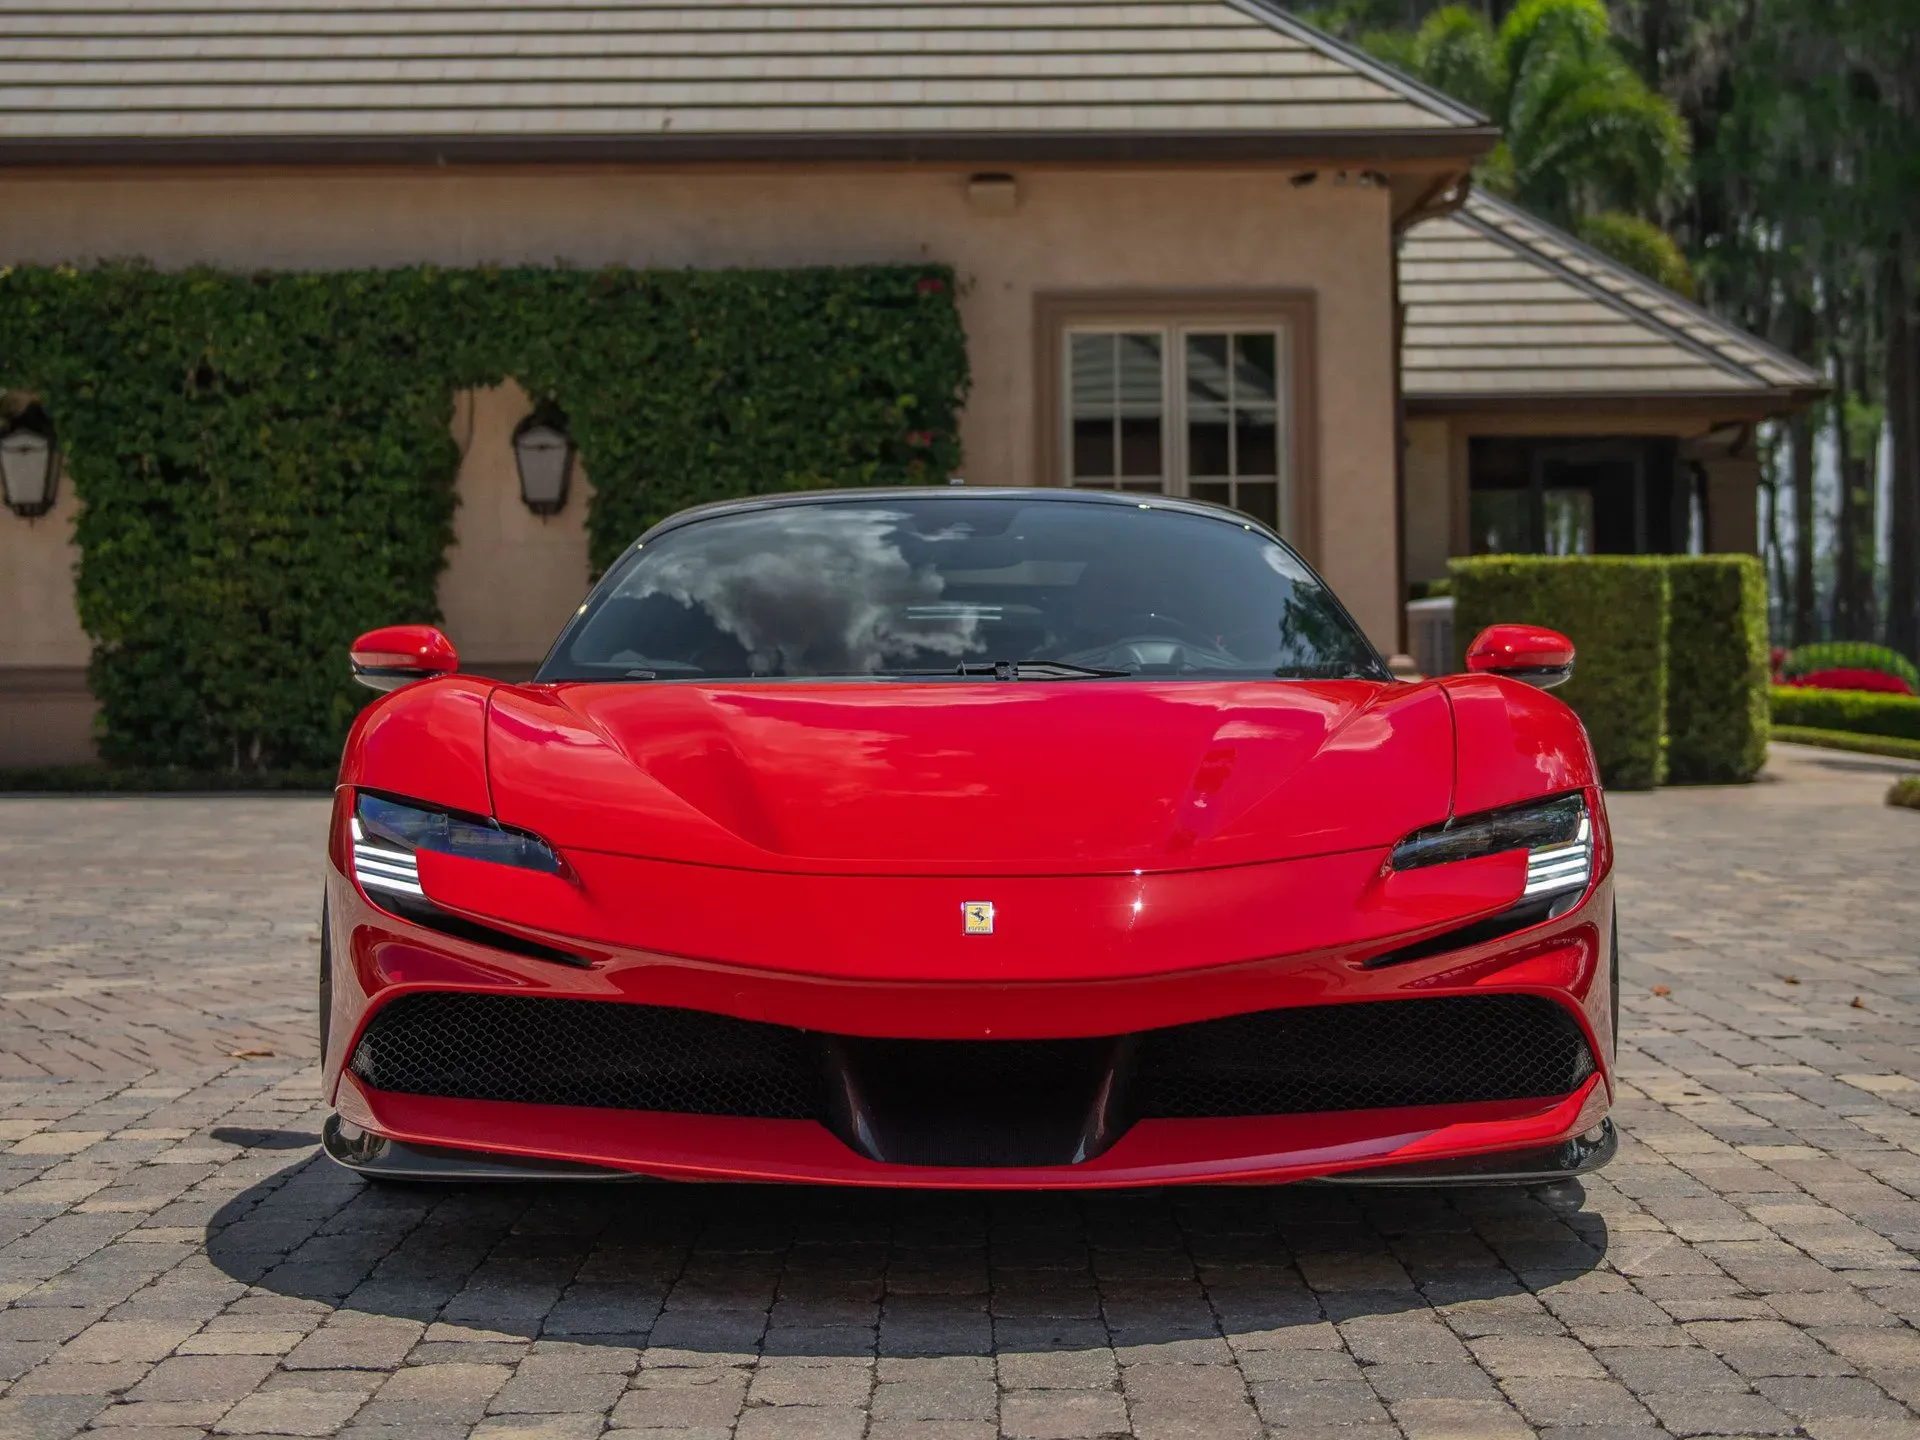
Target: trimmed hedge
(1905,793)
(1614,608)
(1863,712)
(265,466)
(124,780)
(1717,669)
(1849,740)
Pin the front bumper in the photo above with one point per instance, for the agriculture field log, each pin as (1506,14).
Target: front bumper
(385,1131)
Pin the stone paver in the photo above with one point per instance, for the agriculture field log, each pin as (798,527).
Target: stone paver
(176,1260)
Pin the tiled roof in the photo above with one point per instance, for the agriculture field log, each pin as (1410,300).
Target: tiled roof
(1499,303)
(76,71)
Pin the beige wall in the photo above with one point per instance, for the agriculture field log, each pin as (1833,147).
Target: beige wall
(1093,229)
(512,577)
(46,715)
(1429,499)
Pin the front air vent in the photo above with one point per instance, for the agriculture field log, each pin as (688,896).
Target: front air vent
(974,1102)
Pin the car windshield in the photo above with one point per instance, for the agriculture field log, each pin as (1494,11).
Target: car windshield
(1013,588)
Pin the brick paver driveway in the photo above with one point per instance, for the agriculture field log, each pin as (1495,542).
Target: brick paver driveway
(177,1260)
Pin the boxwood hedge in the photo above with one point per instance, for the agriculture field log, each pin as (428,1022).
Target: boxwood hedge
(1614,608)
(1864,712)
(265,467)
(1717,668)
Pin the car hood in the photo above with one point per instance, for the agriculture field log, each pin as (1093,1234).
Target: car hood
(1061,777)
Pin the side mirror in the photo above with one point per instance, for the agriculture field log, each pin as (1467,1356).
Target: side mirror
(398,655)
(1522,652)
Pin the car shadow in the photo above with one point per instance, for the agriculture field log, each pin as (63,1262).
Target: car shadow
(735,1270)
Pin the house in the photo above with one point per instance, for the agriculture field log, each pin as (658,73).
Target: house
(1133,190)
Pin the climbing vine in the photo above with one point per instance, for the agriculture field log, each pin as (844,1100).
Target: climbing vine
(265,466)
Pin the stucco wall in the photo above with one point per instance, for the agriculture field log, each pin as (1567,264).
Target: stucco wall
(46,715)
(1429,499)
(1093,229)
(512,577)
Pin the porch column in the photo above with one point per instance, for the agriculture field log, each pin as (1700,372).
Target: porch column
(1733,520)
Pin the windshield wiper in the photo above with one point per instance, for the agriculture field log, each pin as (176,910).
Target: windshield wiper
(1038,670)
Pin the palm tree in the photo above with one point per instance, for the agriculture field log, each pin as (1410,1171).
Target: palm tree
(1586,143)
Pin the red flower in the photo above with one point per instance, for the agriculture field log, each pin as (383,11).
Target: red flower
(930,286)
(1877,680)
(920,439)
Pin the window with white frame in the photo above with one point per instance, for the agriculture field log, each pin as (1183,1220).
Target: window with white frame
(1192,410)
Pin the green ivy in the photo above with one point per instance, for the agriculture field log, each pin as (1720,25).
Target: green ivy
(265,466)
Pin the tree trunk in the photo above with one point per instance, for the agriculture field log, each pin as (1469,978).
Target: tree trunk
(1903,417)
(1846,568)
(1800,429)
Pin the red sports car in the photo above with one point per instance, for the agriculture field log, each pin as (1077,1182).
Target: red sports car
(968,837)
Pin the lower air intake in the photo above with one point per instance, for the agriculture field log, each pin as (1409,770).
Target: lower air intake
(1364,1056)
(974,1102)
(588,1052)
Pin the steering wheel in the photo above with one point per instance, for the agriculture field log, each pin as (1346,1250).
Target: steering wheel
(1134,646)
(1146,625)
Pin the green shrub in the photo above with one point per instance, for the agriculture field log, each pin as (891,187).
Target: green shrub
(123,780)
(1849,740)
(1864,712)
(1849,655)
(1905,793)
(1717,662)
(265,467)
(1614,608)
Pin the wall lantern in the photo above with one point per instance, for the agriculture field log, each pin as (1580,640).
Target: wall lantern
(29,464)
(543,452)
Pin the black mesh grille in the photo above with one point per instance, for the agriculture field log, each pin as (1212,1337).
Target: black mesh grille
(613,1055)
(1363,1056)
(587,1052)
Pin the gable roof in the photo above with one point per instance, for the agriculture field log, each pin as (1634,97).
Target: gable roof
(1502,305)
(498,79)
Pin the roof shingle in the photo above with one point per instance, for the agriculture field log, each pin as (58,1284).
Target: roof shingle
(130,70)
(1502,304)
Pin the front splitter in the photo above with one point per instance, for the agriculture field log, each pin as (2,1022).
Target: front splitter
(379,1158)
(1579,1156)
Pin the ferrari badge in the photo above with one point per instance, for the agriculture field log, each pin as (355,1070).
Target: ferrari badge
(978,915)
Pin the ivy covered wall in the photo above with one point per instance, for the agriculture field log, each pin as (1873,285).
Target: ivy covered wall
(265,467)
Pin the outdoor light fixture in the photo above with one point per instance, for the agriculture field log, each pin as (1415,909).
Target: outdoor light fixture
(543,452)
(29,464)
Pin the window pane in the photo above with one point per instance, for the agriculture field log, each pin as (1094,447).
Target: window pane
(1501,521)
(1253,367)
(1140,449)
(1261,500)
(1214,492)
(1258,449)
(1569,521)
(1093,448)
(1141,392)
(1093,374)
(1207,370)
(1142,487)
(1207,445)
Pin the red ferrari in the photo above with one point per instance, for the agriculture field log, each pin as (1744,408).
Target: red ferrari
(993,838)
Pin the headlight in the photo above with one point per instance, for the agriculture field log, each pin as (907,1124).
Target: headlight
(1556,834)
(388,836)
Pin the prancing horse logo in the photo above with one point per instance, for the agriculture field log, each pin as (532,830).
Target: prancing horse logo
(978,915)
